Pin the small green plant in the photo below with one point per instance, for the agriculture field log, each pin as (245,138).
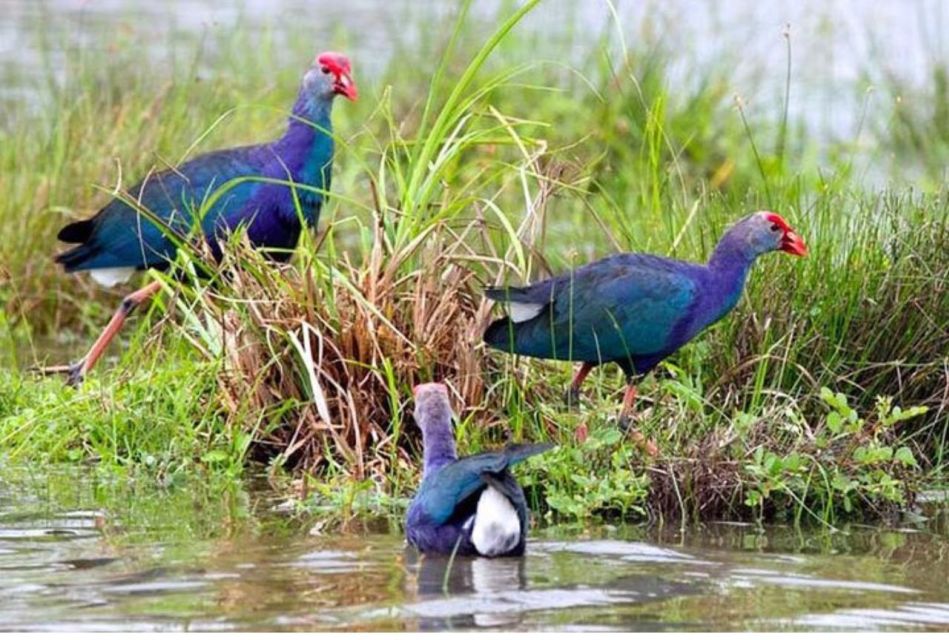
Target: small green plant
(599,478)
(338,500)
(851,459)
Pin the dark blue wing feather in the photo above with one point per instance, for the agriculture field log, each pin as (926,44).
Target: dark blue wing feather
(120,235)
(622,306)
(442,491)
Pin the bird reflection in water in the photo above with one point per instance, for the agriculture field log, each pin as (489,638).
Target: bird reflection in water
(450,590)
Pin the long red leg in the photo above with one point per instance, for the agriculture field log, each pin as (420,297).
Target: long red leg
(626,415)
(581,375)
(78,370)
(629,400)
(573,392)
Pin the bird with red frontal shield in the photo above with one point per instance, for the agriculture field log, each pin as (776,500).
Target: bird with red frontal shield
(272,191)
(634,309)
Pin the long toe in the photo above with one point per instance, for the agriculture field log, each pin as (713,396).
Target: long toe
(57,369)
(75,374)
(625,422)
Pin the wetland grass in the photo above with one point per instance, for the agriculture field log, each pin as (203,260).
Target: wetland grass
(499,169)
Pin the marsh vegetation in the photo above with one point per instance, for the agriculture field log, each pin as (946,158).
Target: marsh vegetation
(482,156)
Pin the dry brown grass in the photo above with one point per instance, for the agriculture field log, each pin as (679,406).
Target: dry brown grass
(336,351)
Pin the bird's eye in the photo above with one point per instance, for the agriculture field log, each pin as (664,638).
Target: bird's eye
(325,69)
(775,227)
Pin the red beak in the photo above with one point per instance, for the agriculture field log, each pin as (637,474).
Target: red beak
(793,244)
(345,86)
(790,241)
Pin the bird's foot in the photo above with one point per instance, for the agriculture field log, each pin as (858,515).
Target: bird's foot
(572,397)
(644,443)
(75,373)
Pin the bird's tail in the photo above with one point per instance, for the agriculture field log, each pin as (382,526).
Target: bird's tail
(517,452)
(495,293)
(507,294)
(500,334)
(79,231)
(521,304)
(76,258)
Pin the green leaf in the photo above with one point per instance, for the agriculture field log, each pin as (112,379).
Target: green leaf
(905,456)
(773,464)
(610,437)
(834,421)
(842,483)
(793,462)
(215,455)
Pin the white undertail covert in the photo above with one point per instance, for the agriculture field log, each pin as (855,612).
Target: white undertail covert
(497,528)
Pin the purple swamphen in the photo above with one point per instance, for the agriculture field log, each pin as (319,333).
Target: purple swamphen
(633,309)
(469,506)
(263,196)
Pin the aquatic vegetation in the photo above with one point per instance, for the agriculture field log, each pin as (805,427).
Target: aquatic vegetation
(465,170)
(849,464)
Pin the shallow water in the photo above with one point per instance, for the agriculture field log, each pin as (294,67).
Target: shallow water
(80,553)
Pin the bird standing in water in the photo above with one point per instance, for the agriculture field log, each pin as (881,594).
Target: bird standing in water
(144,230)
(634,309)
(469,506)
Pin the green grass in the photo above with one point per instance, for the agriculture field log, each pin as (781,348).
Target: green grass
(489,161)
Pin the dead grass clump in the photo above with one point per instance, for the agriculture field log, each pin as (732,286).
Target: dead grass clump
(323,357)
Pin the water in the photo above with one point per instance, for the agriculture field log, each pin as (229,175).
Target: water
(841,50)
(84,553)
(80,553)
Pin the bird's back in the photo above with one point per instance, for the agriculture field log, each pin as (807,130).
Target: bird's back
(623,306)
(444,512)
(139,230)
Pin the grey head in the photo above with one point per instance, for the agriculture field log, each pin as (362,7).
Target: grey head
(433,416)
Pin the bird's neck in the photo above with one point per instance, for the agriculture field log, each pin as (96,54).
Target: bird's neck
(438,441)
(306,149)
(728,268)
